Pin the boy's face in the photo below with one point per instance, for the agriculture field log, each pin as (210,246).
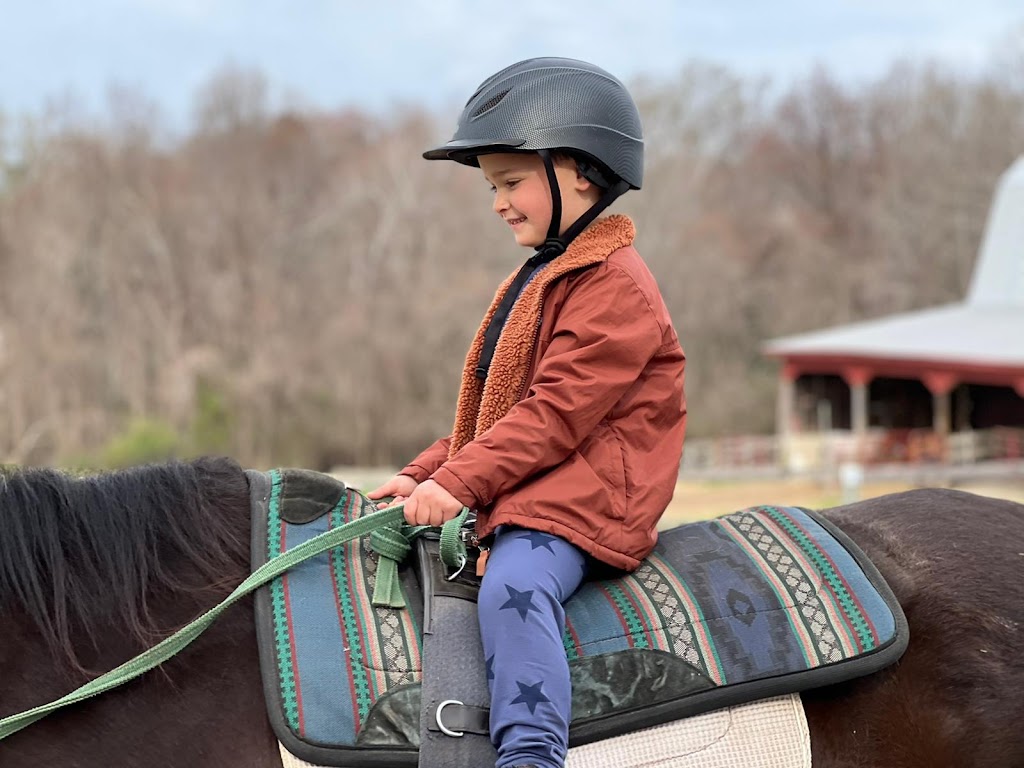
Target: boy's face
(522,195)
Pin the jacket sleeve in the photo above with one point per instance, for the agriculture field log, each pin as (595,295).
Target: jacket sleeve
(424,465)
(603,338)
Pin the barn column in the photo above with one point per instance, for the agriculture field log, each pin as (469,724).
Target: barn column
(962,397)
(940,384)
(785,403)
(858,378)
(785,409)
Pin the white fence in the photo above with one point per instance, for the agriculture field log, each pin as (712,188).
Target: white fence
(824,452)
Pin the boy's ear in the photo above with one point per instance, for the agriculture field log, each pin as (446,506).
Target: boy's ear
(592,173)
(582,182)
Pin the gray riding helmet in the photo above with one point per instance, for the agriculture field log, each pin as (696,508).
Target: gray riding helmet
(555,104)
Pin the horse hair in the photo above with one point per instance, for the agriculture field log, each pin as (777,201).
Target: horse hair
(81,554)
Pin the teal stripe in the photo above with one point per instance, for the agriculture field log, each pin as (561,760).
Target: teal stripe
(571,651)
(282,639)
(360,680)
(853,615)
(634,626)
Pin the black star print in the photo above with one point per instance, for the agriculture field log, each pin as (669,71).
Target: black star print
(490,667)
(538,539)
(530,695)
(520,601)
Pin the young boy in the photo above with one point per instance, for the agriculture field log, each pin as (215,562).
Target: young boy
(570,419)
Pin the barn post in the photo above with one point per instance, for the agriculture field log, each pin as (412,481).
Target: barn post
(785,401)
(940,384)
(785,407)
(858,378)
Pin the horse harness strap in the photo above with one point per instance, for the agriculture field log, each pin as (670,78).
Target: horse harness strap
(453,718)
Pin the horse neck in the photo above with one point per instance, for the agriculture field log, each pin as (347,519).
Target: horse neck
(121,558)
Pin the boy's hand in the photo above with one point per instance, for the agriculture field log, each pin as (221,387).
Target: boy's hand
(399,486)
(430,504)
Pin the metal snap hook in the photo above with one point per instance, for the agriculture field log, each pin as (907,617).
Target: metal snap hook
(462,567)
(437,717)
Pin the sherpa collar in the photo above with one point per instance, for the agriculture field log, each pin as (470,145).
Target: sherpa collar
(482,403)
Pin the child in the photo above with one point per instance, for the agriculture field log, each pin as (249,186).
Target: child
(570,419)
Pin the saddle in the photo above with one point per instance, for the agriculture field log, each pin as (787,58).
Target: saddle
(760,603)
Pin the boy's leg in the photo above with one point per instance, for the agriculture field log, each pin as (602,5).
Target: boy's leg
(529,575)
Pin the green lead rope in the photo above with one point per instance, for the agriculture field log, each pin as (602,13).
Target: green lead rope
(167,648)
(393,542)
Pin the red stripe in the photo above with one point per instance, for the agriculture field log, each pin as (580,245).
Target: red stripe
(856,600)
(622,619)
(849,590)
(341,624)
(572,634)
(356,598)
(641,617)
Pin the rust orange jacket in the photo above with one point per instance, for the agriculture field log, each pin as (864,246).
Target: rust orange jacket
(578,430)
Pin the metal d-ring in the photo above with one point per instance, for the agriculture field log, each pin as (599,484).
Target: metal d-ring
(437,716)
(462,567)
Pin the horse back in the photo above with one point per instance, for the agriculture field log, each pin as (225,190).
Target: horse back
(954,561)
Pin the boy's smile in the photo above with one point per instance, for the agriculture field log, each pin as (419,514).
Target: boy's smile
(522,195)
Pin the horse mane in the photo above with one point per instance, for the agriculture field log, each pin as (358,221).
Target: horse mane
(80,555)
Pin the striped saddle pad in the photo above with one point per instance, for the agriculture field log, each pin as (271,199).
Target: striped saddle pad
(759,603)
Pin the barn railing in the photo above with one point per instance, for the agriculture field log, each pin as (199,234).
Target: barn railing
(825,451)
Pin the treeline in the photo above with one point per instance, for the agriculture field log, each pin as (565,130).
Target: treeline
(299,287)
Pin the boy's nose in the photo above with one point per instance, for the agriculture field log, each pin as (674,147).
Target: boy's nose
(500,202)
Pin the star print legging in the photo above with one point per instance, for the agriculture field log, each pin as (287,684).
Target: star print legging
(529,575)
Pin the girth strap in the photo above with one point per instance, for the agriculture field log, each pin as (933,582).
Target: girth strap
(453,671)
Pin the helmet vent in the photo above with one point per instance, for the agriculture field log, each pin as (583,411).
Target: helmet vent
(491,103)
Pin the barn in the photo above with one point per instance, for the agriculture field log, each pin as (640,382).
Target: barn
(941,384)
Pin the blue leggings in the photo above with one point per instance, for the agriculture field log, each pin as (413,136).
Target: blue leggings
(529,575)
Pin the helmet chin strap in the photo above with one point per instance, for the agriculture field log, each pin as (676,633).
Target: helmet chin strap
(553,246)
(555,243)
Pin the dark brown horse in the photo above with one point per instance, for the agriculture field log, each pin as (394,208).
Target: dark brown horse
(94,570)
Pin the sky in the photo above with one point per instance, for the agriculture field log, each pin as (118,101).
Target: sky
(331,54)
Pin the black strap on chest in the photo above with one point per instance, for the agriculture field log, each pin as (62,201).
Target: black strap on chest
(493,332)
(553,247)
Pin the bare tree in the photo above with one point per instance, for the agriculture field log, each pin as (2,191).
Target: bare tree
(295,287)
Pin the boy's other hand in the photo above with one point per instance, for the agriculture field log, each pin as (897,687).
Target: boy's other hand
(399,486)
(430,504)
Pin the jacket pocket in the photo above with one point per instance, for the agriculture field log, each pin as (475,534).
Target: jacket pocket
(603,452)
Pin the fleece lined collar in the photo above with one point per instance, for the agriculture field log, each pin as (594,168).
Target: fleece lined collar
(483,402)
